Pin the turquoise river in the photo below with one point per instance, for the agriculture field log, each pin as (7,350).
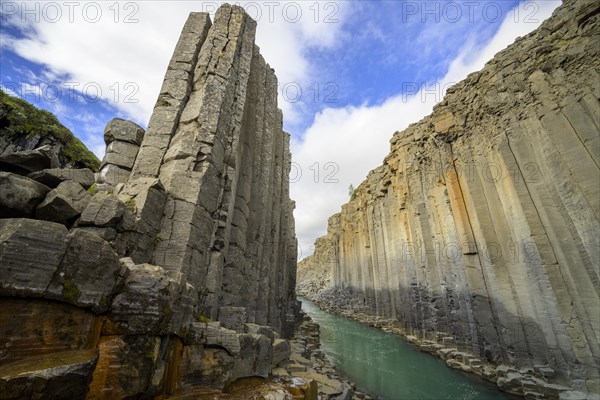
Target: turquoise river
(386,367)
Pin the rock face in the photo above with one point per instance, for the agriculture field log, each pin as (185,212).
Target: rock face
(187,223)
(480,232)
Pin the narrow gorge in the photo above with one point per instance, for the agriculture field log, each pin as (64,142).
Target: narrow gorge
(478,237)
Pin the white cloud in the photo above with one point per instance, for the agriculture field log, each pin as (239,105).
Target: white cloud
(356,139)
(113,55)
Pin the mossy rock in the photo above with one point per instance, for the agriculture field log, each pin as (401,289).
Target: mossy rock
(21,122)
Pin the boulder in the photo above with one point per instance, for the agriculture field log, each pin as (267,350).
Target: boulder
(87,274)
(52,177)
(19,195)
(25,162)
(30,253)
(64,203)
(64,375)
(123,130)
(256,355)
(152,301)
(103,210)
(281,351)
(213,334)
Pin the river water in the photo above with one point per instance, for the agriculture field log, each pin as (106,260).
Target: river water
(384,366)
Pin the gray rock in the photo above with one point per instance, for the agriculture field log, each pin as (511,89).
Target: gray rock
(112,174)
(25,162)
(103,210)
(30,254)
(256,356)
(54,176)
(121,154)
(233,318)
(123,130)
(281,351)
(64,203)
(87,273)
(19,195)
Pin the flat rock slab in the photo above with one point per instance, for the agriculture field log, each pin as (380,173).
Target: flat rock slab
(52,177)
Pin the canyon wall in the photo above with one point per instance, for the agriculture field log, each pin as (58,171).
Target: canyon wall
(174,266)
(479,235)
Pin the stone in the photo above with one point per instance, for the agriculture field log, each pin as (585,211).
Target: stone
(52,177)
(25,162)
(64,203)
(19,195)
(466,232)
(326,385)
(233,318)
(103,210)
(113,174)
(124,131)
(256,355)
(260,329)
(212,334)
(63,375)
(30,253)
(87,274)
(281,351)
(121,154)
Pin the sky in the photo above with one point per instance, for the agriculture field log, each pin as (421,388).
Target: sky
(351,73)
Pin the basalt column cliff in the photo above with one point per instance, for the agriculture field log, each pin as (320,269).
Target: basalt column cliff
(111,292)
(478,237)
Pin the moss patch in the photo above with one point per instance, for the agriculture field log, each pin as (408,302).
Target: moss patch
(20,119)
(70,293)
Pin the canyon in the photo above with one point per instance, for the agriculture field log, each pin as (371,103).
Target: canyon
(171,270)
(478,238)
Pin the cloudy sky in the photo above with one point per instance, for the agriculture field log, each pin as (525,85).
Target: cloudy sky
(351,73)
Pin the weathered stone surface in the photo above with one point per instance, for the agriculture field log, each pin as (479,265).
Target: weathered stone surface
(87,274)
(30,253)
(103,210)
(25,162)
(64,203)
(214,335)
(123,131)
(121,154)
(281,351)
(151,302)
(52,177)
(233,318)
(64,375)
(36,327)
(481,227)
(19,195)
(113,174)
(256,356)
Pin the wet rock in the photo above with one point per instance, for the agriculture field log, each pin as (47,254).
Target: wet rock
(19,195)
(63,375)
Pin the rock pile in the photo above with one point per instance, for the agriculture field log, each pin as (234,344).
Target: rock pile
(480,234)
(171,269)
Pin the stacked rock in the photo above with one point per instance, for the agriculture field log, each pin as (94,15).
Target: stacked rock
(123,139)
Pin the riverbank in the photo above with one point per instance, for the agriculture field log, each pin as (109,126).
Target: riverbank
(308,361)
(522,382)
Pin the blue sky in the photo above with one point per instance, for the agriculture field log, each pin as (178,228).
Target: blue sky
(345,65)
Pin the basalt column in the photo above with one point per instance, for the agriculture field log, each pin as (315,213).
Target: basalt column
(215,143)
(479,235)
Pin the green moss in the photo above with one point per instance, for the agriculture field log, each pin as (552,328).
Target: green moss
(157,240)
(204,319)
(92,189)
(130,204)
(19,118)
(70,293)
